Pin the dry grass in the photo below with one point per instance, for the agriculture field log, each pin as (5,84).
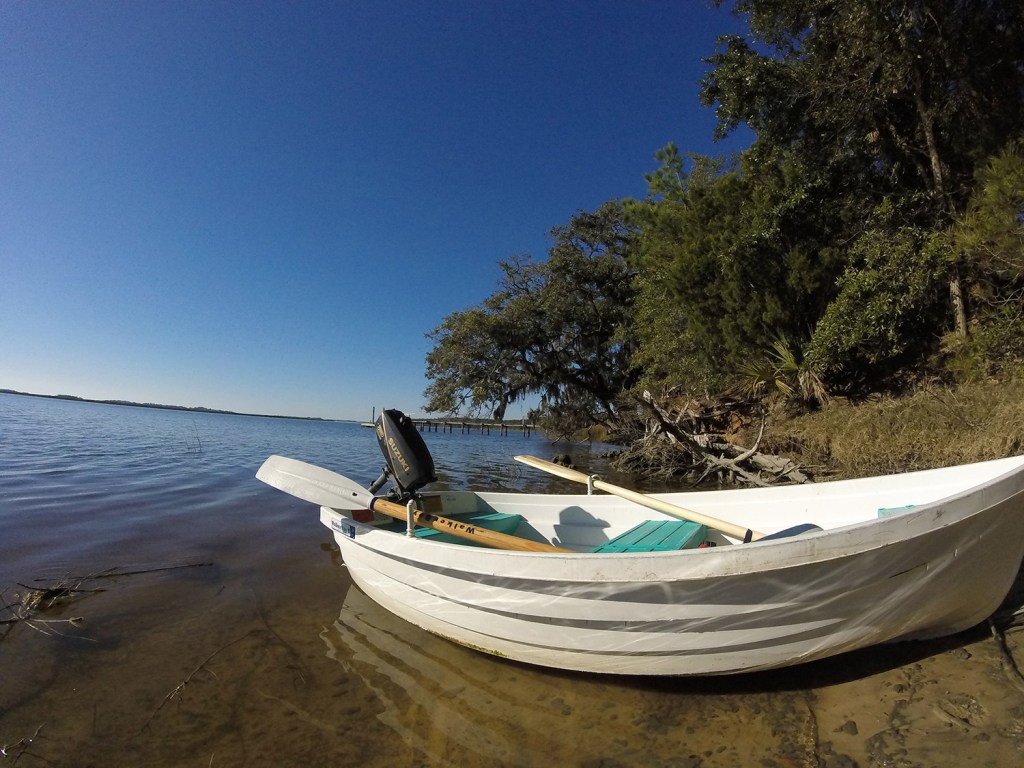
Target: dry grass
(935,426)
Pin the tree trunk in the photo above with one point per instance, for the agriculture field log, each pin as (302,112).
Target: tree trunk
(956,293)
(931,142)
(956,296)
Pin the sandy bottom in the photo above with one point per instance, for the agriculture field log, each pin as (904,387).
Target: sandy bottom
(224,665)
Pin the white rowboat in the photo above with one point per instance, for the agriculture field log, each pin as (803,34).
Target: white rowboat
(907,556)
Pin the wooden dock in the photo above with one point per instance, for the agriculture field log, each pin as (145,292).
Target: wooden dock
(467,427)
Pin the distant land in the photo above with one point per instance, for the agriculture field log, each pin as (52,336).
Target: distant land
(196,409)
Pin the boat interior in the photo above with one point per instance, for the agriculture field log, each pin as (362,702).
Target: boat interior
(611,524)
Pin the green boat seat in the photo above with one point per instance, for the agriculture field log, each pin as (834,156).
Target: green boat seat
(492,521)
(890,511)
(657,536)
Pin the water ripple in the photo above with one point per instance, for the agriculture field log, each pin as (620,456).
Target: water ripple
(80,481)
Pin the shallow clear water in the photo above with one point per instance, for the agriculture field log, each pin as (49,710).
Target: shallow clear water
(227,631)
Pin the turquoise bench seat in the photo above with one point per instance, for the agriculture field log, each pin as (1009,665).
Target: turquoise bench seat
(492,521)
(890,511)
(657,536)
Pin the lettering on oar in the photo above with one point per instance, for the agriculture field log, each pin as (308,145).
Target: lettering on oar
(426,517)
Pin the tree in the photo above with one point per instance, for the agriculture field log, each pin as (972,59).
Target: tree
(735,258)
(918,88)
(991,232)
(670,353)
(904,96)
(561,329)
(889,297)
(990,240)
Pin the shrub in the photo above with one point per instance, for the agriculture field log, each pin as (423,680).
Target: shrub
(890,311)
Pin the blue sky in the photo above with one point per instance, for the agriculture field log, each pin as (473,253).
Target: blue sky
(265,206)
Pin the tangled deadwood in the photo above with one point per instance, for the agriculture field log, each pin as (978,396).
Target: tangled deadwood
(689,439)
(30,606)
(21,747)
(35,606)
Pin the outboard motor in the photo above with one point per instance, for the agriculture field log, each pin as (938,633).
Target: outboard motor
(409,463)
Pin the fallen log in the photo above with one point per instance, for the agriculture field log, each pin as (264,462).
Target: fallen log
(702,450)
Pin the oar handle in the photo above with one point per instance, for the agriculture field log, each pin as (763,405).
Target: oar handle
(737,531)
(462,530)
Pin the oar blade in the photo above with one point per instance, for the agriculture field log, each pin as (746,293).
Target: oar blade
(329,489)
(313,484)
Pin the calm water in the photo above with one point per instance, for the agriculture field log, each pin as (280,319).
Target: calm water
(228,633)
(79,481)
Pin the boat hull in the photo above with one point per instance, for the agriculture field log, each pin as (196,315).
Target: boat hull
(933,570)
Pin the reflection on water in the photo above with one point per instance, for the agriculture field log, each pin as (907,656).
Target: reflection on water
(437,696)
(269,657)
(449,703)
(260,666)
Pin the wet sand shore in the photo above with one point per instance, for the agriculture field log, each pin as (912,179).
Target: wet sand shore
(285,663)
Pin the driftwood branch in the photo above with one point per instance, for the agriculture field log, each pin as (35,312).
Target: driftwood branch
(696,435)
(29,606)
(20,747)
(1009,663)
(26,607)
(205,665)
(188,678)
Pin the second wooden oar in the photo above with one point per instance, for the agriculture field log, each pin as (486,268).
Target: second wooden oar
(738,531)
(329,489)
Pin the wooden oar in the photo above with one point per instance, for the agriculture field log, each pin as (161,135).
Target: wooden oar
(731,529)
(329,489)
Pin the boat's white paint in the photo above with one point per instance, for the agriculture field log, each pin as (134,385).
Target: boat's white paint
(935,569)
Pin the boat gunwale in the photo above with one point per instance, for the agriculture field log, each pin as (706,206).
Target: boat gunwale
(931,518)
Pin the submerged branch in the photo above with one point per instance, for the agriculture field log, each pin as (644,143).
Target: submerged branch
(20,747)
(113,573)
(27,606)
(188,678)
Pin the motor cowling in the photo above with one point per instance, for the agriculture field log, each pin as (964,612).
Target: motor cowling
(409,462)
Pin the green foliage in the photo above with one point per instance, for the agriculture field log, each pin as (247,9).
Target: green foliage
(890,299)
(781,373)
(560,329)
(874,112)
(994,347)
(744,257)
(668,354)
(991,233)
(474,363)
(672,351)
(990,239)
(880,206)
(903,95)
(674,252)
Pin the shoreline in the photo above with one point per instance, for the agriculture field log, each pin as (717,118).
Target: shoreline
(161,406)
(271,655)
